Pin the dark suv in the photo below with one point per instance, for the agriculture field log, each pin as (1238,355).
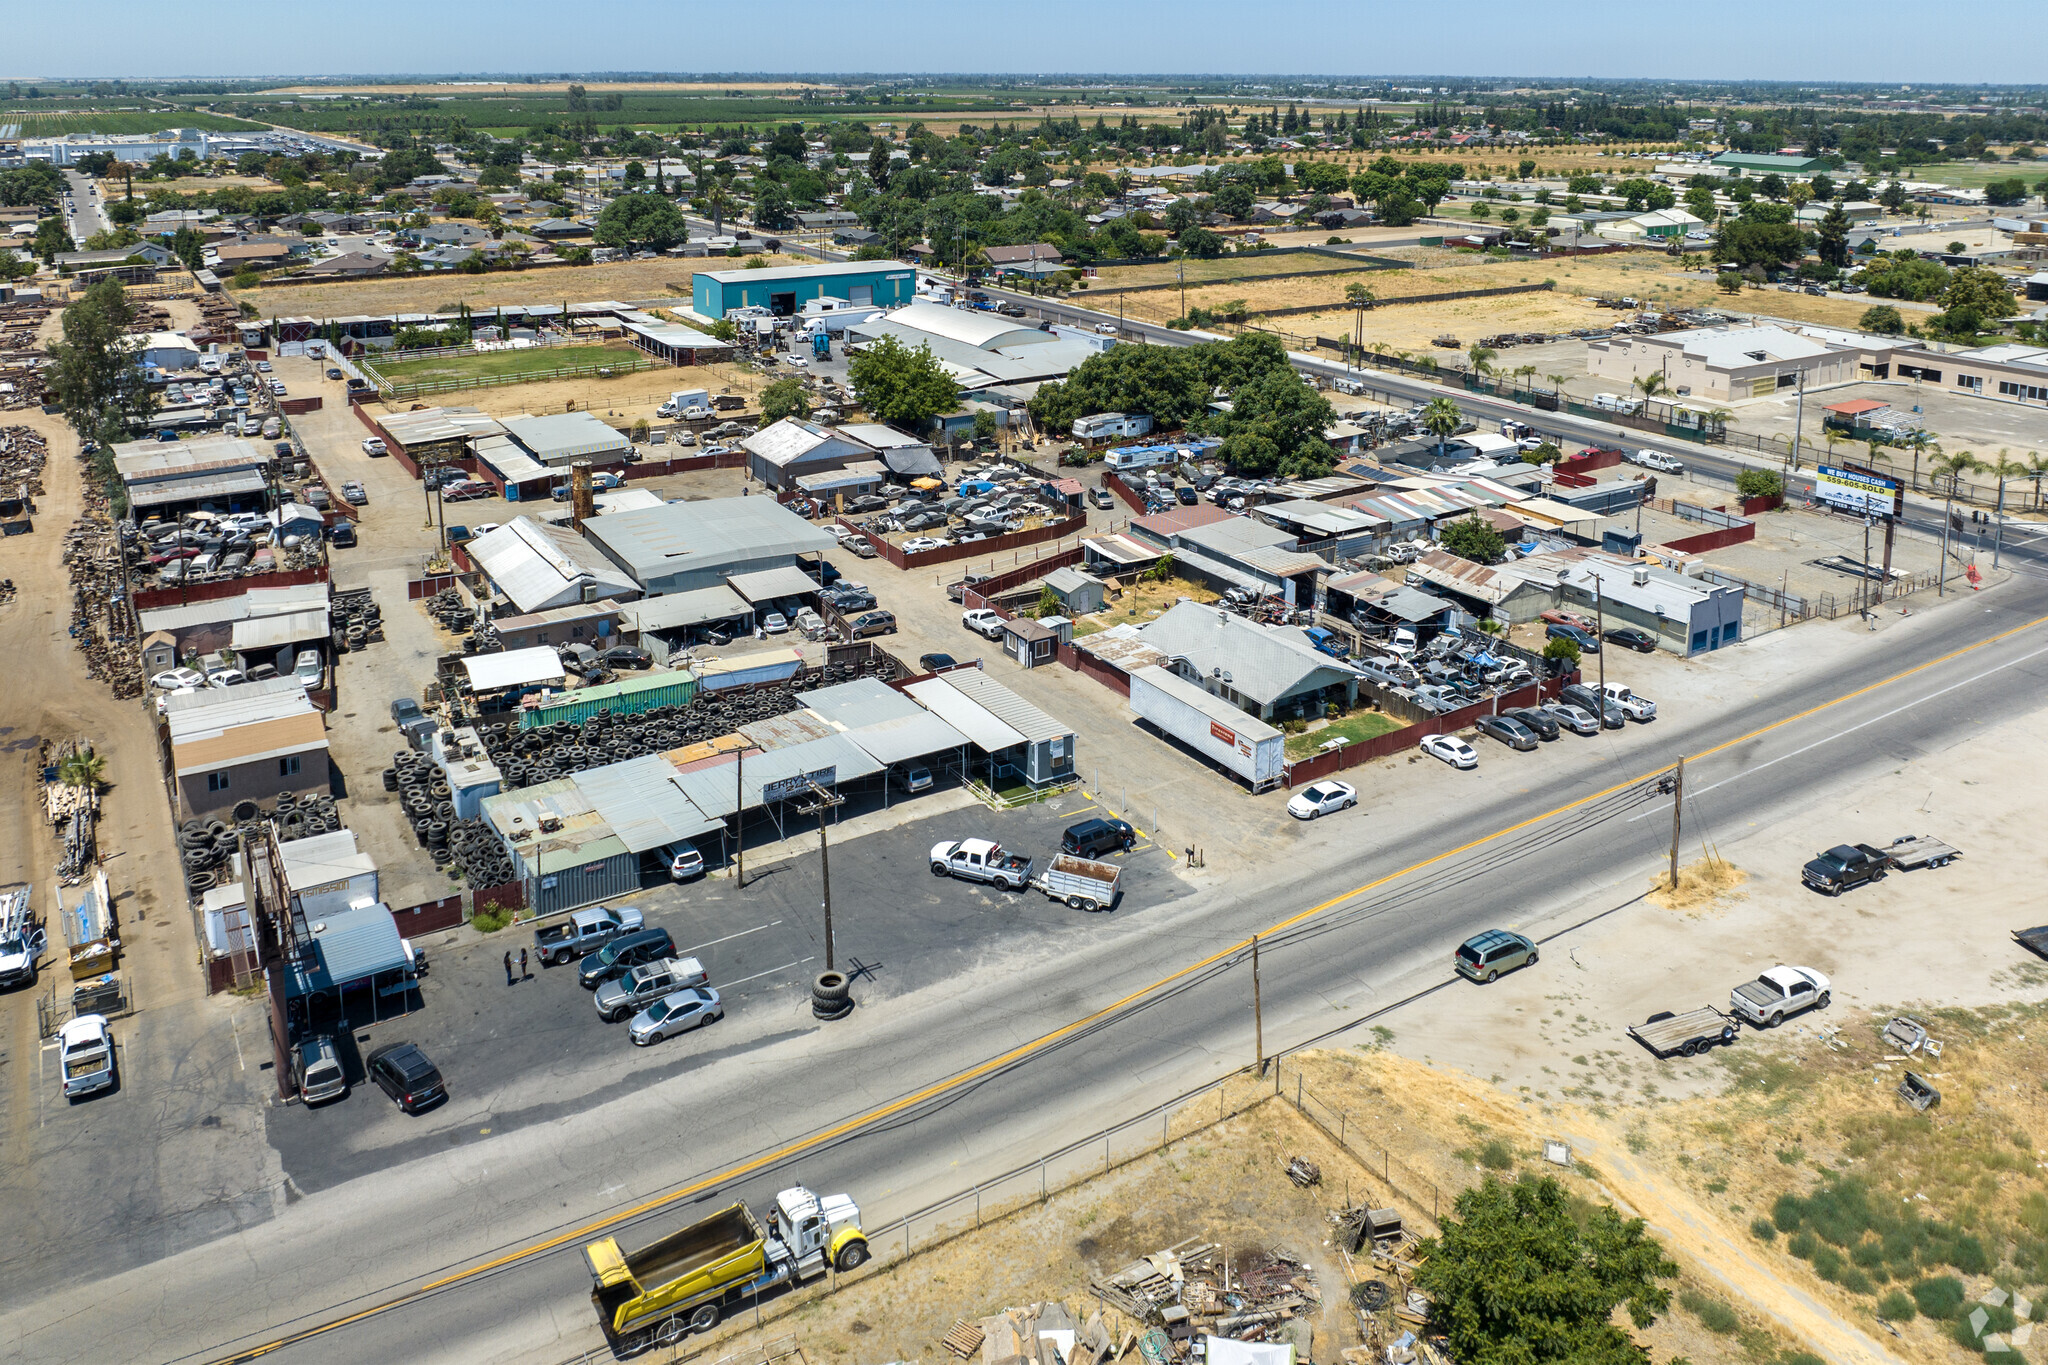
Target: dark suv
(403,1072)
(1093,838)
(624,953)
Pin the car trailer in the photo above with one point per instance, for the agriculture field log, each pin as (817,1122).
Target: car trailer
(1686,1034)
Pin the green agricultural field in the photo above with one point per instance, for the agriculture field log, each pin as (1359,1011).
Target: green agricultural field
(125,121)
(507,366)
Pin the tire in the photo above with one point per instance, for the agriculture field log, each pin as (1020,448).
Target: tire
(1822,1002)
(1316,814)
(704,1317)
(670,1332)
(644,1042)
(1077,902)
(1690,1047)
(1727,1034)
(1349,804)
(1776,1019)
(938,869)
(1532,958)
(852,1256)
(1492,975)
(831,986)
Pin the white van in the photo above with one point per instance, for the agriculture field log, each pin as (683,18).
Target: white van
(1354,387)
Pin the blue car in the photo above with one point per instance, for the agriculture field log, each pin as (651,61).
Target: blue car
(1584,639)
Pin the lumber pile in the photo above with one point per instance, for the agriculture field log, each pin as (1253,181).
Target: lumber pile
(1190,1291)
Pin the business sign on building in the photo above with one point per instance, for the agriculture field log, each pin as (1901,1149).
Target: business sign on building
(782,788)
(1856,491)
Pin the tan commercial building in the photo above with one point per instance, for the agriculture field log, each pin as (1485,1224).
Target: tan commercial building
(1722,364)
(251,742)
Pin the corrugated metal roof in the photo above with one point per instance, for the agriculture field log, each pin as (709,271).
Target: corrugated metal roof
(210,710)
(430,425)
(643,804)
(765,585)
(864,701)
(254,602)
(998,702)
(196,488)
(787,730)
(902,738)
(350,945)
(567,436)
(514,668)
(702,537)
(693,608)
(984,331)
(1263,663)
(535,565)
(275,632)
(1122,550)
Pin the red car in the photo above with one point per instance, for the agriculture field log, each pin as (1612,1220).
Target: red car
(466,492)
(1558,617)
(182,552)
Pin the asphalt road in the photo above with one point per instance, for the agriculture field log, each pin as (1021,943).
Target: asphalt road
(86,217)
(352,1248)
(1719,463)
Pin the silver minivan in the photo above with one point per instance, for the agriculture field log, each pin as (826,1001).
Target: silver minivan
(320,1073)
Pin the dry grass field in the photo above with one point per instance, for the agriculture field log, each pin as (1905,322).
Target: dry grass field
(665,280)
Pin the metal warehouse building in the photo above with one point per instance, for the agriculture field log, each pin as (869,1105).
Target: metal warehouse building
(784,291)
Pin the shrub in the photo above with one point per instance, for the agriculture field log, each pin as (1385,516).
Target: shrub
(1800,1358)
(1759,483)
(1804,1245)
(490,921)
(1496,1156)
(1967,1255)
(1853,1280)
(1965,1328)
(1897,1306)
(1787,1213)
(1714,1315)
(1828,1263)
(1763,1229)
(1939,1296)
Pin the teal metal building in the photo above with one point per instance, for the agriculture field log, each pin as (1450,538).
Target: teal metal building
(783,291)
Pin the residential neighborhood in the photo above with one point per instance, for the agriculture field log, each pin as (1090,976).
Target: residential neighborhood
(846,717)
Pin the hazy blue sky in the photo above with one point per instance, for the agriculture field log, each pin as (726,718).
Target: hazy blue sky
(1890,40)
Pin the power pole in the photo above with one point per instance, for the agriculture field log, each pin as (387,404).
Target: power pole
(820,802)
(1799,420)
(1677,807)
(739,818)
(1599,638)
(1258,1011)
(1948,512)
(1998,530)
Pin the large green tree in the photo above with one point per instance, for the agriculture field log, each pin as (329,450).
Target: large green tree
(1473,539)
(1520,1277)
(785,398)
(1831,243)
(1764,244)
(95,372)
(898,384)
(640,220)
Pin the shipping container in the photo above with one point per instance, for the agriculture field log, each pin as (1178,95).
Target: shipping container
(1212,727)
(626,697)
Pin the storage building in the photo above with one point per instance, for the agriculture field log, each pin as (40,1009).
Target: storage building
(784,290)
(686,545)
(557,439)
(252,742)
(1017,741)
(539,567)
(1267,671)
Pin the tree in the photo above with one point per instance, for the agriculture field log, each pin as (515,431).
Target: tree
(1202,243)
(897,384)
(1772,186)
(1759,483)
(785,398)
(1882,319)
(1558,647)
(773,209)
(1975,287)
(1473,539)
(1764,244)
(1441,419)
(640,220)
(93,370)
(1234,199)
(1516,1278)
(985,425)
(1728,282)
(1651,384)
(84,768)
(1323,177)
(1831,243)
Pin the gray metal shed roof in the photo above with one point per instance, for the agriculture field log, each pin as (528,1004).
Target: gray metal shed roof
(275,632)
(566,436)
(766,584)
(692,608)
(350,945)
(906,737)
(864,701)
(702,536)
(993,699)
(643,804)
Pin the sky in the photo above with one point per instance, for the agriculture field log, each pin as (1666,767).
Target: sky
(1992,41)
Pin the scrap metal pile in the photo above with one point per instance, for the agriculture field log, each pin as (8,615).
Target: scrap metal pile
(1190,1291)
(1393,1316)
(22,359)
(101,623)
(73,811)
(23,454)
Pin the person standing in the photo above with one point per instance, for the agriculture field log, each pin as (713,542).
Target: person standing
(523,973)
(508,966)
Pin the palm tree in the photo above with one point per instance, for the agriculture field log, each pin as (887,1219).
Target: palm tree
(1557,383)
(1651,384)
(1524,373)
(1441,419)
(718,199)
(83,769)
(2004,468)
(2037,470)
(1482,358)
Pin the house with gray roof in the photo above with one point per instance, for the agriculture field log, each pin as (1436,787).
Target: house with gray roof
(1265,671)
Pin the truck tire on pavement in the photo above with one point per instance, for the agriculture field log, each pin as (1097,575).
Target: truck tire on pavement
(852,1256)
(938,869)
(831,986)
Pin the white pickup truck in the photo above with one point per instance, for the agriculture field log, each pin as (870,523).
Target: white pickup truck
(87,1051)
(1779,992)
(981,860)
(982,621)
(1633,706)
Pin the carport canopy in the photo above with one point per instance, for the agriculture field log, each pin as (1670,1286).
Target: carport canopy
(674,611)
(275,632)
(514,668)
(350,946)
(981,726)
(765,585)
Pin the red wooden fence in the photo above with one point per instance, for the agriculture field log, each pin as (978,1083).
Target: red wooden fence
(1407,737)
(148,598)
(1115,484)
(973,549)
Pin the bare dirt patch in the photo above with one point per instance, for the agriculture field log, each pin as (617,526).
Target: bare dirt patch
(665,280)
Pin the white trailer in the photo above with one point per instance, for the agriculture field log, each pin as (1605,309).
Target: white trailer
(1209,725)
(1104,426)
(1080,882)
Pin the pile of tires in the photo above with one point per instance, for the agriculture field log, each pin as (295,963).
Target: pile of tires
(831,996)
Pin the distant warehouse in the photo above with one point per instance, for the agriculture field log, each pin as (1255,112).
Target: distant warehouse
(784,291)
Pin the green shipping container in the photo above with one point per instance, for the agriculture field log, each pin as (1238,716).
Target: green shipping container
(1430,241)
(626,697)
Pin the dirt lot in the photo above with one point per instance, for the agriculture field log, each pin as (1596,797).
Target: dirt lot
(667,279)
(624,396)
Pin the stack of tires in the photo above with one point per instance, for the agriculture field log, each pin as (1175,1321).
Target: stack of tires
(831,996)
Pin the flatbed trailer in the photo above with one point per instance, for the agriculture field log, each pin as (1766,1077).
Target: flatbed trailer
(1687,1033)
(1911,852)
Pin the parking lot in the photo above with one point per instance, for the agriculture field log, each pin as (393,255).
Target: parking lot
(518,1056)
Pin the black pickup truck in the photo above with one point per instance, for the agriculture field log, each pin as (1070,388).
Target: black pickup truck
(1844,867)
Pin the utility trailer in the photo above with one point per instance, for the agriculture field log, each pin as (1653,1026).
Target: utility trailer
(1687,1033)
(1080,882)
(1911,852)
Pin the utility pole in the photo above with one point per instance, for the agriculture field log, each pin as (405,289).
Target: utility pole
(739,818)
(1677,809)
(1799,420)
(1258,1011)
(1998,530)
(1948,512)
(820,802)
(1865,590)
(1599,633)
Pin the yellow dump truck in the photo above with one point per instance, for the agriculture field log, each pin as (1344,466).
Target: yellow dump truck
(684,1281)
